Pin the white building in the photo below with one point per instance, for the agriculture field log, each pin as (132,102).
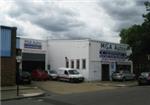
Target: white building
(96,60)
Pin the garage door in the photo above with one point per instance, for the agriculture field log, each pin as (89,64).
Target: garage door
(33,57)
(32,61)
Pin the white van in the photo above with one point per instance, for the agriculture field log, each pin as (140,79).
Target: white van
(69,74)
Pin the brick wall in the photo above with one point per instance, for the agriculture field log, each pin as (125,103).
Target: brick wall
(8,71)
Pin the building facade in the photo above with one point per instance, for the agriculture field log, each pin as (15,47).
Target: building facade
(96,60)
(8,55)
(33,54)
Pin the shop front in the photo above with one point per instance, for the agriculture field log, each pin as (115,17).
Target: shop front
(33,54)
(117,55)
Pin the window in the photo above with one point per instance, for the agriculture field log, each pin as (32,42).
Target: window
(83,63)
(72,64)
(66,72)
(67,64)
(73,72)
(78,64)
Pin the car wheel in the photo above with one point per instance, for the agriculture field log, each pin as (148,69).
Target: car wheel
(58,79)
(140,84)
(113,80)
(29,82)
(71,80)
(123,79)
(50,78)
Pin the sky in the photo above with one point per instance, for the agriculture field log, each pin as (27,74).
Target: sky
(71,19)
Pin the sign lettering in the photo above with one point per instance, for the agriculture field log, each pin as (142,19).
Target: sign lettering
(33,44)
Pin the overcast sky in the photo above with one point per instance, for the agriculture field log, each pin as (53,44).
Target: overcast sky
(71,19)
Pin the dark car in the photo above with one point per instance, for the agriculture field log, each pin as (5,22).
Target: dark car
(144,78)
(123,75)
(25,78)
(39,74)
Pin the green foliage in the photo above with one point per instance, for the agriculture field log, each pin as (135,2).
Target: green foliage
(138,36)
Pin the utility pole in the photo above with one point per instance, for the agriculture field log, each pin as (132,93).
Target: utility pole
(19,60)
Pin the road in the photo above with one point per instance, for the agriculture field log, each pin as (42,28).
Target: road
(139,95)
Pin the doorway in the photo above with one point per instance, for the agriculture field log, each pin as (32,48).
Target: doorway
(105,72)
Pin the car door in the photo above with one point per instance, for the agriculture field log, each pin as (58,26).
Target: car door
(66,75)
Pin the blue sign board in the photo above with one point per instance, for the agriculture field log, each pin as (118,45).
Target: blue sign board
(32,44)
(112,54)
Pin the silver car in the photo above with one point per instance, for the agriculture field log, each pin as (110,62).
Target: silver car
(123,76)
(144,78)
(52,75)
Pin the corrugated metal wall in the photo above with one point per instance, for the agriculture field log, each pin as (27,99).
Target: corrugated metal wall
(8,55)
(5,42)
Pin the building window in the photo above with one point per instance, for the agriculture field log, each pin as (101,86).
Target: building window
(72,64)
(83,63)
(78,64)
(67,64)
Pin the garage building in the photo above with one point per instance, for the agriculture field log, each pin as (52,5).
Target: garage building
(96,60)
(33,53)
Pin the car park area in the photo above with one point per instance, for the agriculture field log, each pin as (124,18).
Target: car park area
(59,87)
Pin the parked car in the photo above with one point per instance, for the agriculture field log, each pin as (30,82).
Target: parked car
(52,74)
(144,78)
(123,75)
(25,78)
(69,74)
(39,74)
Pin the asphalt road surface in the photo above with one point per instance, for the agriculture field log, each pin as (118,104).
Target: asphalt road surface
(139,95)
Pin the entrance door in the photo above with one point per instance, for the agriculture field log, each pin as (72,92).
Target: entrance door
(105,72)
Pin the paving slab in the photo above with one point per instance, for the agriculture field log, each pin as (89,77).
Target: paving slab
(10,92)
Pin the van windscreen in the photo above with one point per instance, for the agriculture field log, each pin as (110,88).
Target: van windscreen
(73,72)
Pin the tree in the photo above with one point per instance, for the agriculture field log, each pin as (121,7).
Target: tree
(138,37)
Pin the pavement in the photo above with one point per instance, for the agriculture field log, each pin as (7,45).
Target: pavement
(25,91)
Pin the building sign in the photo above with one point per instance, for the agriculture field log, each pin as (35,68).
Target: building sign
(32,44)
(112,51)
(112,55)
(115,47)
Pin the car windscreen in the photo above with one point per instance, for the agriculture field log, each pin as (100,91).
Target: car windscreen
(53,72)
(73,72)
(145,74)
(25,74)
(124,71)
